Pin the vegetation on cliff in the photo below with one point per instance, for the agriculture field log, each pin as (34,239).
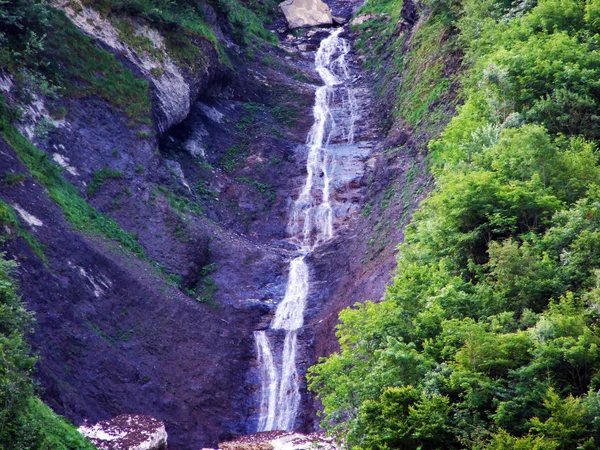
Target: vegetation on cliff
(43,55)
(46,55)
(78,212)
(25,422)
(45,58)
(488,337)
(189,17)
(413,70)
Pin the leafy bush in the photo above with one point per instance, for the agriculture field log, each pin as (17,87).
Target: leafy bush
(16,386)
(99,177)
(23,24)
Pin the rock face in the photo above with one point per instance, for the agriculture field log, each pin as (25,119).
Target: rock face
(306,13)
(115,334)
(127,432)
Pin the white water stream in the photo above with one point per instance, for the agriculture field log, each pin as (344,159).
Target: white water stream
(310,223)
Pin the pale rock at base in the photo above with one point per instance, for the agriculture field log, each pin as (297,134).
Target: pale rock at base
(306,13)
(127,432)
(282,440)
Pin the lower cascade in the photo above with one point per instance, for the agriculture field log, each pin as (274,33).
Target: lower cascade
(310,223)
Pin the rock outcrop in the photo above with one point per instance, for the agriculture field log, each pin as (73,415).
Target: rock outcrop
(127,432)
(306,13)
(175,86)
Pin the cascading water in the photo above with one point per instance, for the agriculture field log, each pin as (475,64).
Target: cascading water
(310,223)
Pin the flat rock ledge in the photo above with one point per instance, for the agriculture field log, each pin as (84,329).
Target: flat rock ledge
(127,432)
(281,440)
(306,13)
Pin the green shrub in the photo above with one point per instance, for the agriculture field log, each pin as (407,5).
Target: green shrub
(25,422)
(13,179)
(99,177)
(23,25)
(232,156)
(16,386)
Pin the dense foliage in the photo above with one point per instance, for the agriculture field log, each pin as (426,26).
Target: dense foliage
(25,422)
(23,24)
(488,337)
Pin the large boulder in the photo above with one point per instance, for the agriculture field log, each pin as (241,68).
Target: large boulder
(127,432)
(306,13)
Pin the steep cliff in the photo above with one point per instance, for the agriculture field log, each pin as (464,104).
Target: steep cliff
(144,313)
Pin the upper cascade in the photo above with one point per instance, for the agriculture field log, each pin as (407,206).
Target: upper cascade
(311,220)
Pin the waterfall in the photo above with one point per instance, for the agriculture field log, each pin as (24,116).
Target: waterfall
(268,375)
(310,223)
